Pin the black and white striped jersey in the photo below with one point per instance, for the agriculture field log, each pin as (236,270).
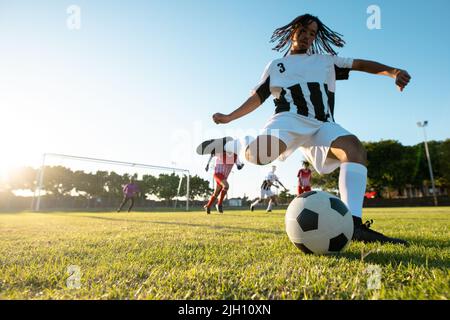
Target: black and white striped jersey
(304,84)
(269,180)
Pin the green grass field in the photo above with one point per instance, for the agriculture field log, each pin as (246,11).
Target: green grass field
(238,255)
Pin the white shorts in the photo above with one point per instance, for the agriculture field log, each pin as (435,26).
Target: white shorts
(266,193)
(311,136)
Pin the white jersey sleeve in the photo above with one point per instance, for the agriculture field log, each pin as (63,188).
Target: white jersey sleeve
(340,71)
(342,62)
(262,89)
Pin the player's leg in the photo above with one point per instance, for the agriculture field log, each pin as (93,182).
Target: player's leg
(223,192)
(269,205)
(124,200)
(261,151)
(307,189)
(213,198)
(299,190)
(254,203)
(352,184)
(272,199)
(353,174)
(132,204)
(258,200)
(213,146)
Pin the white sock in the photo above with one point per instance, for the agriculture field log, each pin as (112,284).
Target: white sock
(352,186)
(270,205)
(256,202)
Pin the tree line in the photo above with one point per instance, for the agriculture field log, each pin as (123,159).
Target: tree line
(396,169)
(60,181)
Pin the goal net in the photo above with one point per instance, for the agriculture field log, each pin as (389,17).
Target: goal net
(66,182)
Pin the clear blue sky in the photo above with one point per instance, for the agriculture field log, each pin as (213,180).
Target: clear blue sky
(140,80)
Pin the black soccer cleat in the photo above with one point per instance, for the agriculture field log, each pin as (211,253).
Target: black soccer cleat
(252,208)
(362,232)
(207,209)
(213,146)
(219,208)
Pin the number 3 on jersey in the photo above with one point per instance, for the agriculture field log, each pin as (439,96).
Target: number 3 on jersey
(282,68)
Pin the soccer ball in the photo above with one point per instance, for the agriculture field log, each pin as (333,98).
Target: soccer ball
(319,223)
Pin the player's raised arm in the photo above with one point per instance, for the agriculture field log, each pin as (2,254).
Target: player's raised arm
(279,182)
(401,77)
(248,106)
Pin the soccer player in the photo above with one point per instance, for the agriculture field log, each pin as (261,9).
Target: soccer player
(224,163)
(129,192)
(303,85)
(304,179)
(266,191)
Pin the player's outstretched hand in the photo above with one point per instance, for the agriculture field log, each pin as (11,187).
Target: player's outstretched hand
(220,118)
(402,79)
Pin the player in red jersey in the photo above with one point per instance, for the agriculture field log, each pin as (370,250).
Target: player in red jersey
(224,163)
(304,179)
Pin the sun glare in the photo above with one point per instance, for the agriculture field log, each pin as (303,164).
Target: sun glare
(5,169)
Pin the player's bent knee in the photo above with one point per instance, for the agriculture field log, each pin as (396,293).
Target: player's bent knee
(358,152)
(363,156)
(349,149)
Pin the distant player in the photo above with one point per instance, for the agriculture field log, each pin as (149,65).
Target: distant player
(224,163)
(130,190)
(266,191)
(304,179)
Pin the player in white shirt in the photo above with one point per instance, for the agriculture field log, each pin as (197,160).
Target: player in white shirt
(303,85)
(266,191)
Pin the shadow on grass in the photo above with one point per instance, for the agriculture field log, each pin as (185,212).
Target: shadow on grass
(256,214)
(403,256)
(430,243)
(396,259)
(277,232)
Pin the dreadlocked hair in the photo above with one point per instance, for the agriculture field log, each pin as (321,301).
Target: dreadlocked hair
(325,37)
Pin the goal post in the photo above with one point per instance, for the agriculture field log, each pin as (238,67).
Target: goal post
(71,177)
